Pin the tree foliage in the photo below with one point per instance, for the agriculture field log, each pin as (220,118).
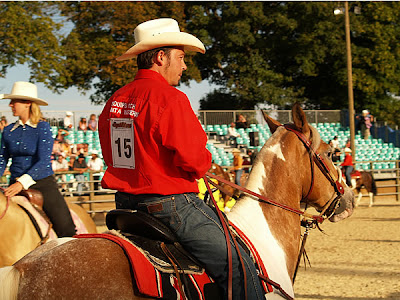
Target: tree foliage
(28,34)
(104,31)
(257,52)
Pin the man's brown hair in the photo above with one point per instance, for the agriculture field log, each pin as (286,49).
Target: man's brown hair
(146,59)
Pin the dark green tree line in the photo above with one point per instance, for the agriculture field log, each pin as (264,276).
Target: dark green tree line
(257,52)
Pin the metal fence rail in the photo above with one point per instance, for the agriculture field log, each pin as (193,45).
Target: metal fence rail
(213,117)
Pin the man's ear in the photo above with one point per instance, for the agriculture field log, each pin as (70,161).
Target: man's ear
(160,58)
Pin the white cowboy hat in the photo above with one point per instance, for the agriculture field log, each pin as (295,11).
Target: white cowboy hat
(160,33)
(94,152)
(365,111)
(347,150)
(25,91)
(68,113)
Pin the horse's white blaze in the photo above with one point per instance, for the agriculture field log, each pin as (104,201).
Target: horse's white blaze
(249,217)
(276,149)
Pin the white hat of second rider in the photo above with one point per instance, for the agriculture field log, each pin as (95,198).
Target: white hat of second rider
(22,90)
(161,33)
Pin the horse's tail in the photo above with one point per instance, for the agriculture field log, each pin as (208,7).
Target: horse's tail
(373,185)
(9,282)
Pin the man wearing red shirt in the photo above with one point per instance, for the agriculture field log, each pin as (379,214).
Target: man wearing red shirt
(347,165)
(155,149)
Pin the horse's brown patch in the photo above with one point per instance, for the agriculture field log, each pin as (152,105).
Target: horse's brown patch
(80,269)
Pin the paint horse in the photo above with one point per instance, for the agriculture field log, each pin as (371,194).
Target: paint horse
(285,170)
(364,179)
(18,235)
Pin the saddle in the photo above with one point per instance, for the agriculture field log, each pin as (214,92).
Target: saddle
(34,196)
(155,238)
(355,174)
(161,248)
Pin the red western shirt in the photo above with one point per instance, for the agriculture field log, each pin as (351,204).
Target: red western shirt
(165,152)
(348,161)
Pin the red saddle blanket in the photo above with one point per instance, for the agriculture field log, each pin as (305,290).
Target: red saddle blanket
(151,281)
(154,283)
(356,174)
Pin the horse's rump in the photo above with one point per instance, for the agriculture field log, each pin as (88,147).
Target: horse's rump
(95,263)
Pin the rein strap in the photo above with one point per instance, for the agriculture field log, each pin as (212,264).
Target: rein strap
(261,198)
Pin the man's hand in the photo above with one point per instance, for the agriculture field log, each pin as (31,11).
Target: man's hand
(13,189)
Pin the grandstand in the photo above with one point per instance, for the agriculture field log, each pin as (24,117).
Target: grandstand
(80,137)
(371,154)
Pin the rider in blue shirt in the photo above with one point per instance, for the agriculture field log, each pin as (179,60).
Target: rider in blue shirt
(29,143)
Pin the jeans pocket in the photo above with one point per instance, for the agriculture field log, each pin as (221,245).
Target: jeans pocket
(164,209)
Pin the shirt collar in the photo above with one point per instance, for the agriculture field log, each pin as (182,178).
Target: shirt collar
(150,74)
(19,123)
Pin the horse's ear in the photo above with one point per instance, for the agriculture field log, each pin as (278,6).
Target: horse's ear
(299,118)
(272,124)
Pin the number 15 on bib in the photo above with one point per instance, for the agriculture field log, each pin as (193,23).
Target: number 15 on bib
(122,141)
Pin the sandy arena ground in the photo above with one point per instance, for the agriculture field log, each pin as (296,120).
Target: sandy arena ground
(357,258)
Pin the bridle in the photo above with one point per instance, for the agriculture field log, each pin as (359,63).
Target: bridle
(330,207)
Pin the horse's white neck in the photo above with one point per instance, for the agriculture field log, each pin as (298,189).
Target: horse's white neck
(249,216)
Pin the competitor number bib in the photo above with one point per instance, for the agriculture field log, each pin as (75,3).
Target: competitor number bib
(122,141)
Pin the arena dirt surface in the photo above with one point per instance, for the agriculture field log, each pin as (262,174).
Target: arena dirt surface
(358,258)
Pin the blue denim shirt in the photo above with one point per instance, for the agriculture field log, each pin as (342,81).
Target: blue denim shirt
(29,148)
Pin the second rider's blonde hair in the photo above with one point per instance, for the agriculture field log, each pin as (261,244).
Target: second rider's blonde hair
(35,114)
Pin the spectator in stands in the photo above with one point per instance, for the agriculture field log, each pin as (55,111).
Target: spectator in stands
(61,165)
(82,125)
(56,148)
(3,123)
(96,164)
(246,162)
(237,165)
(29,143)
(80,166)
(232,134)
(241,122)
(71,161)
(68,122)
(83,148)
(92,122)
(61,134)
(68,148)
(347,165)
(252,155)
(335,152)
(335,142)
(365,122)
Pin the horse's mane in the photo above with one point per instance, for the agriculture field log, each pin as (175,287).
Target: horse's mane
(315,137)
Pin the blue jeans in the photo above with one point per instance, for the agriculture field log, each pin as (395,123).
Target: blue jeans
(347,173)
(200,232)
(238,175)
(80,178)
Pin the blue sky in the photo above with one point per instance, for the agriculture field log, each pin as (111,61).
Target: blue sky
(72,100)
